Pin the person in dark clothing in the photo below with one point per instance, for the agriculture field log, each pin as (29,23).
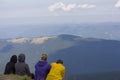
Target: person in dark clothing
(10,66)
(42,68)
(21,67)
(32,76)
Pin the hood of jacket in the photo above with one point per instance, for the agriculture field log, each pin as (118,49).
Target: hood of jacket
(13,59)
(42,63)
(21,58)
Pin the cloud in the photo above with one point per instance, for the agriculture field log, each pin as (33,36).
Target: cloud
(62,6)
(117,5)
(68,7)
(86,6)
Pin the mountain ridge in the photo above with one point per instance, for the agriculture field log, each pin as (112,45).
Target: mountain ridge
(92,54)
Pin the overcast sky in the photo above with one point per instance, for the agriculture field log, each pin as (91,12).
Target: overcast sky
(16,12)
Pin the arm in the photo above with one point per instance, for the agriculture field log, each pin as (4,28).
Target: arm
(63,73)
(27,70)
(5,72)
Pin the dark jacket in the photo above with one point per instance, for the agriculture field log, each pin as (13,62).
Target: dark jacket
(42,68)
(21,67)
(10,66)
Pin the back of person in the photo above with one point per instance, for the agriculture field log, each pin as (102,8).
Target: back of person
(10,66)
(42,68)
(57,72)
(21,67)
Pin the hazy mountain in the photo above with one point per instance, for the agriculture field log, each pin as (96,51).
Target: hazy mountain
(80,55)
(97,30)
(89,56)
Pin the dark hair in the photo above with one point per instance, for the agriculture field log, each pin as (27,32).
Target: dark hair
(59,61)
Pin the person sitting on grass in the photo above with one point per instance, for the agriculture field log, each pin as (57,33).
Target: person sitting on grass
(10,66)
(42,68)
(57,71)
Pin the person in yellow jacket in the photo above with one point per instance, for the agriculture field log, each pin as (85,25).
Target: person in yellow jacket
(57,71)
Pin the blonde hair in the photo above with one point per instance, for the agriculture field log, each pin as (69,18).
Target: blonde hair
(44,57)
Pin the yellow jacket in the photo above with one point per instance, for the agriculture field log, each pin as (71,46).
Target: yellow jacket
(57,72)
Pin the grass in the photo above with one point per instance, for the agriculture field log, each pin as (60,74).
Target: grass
(14,77)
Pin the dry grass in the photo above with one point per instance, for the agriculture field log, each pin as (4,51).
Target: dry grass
(14,77)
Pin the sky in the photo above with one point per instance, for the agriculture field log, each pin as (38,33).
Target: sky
(20,16)
(24,12)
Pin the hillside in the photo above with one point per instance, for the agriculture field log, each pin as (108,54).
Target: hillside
(91,56)
(95,76)
(80,55)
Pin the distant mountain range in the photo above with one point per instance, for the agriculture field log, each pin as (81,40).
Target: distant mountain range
(80,55)
(108,30)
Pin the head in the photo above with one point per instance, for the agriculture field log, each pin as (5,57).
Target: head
(59,61)
(44,57)
(21,57)
(13,59)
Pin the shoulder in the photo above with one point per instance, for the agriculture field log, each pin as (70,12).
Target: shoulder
(48,64)
(54,63)
(26,64)
(62,66)
(7,63)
